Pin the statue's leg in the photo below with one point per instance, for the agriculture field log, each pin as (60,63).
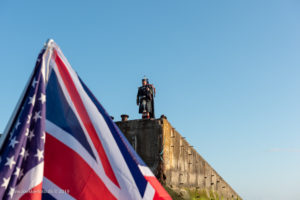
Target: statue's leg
(144,105)
(144,108)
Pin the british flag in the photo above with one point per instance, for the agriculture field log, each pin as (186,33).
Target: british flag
(85,155)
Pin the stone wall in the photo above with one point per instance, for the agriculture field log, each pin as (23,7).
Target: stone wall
(185,168)
(173,160)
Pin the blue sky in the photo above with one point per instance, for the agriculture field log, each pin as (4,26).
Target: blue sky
(226,73)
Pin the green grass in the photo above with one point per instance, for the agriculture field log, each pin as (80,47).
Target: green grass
(173,194)
(196,195)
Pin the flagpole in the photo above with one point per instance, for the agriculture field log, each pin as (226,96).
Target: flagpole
(18,107)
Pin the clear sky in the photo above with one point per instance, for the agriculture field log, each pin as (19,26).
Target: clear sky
(227,74)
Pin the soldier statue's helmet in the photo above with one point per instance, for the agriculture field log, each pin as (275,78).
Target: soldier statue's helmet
(145,79)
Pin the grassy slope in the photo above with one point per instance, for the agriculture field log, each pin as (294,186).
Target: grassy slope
(194,195)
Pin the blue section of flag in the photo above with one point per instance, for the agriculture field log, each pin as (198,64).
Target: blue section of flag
(62,115)
(131,157)
(47,196)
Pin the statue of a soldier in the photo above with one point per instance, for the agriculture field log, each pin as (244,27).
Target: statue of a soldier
(145,99)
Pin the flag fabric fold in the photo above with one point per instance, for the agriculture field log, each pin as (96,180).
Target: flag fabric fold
(85,155)
(22,151)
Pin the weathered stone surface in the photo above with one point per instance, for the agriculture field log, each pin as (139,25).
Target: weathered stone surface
(173,160)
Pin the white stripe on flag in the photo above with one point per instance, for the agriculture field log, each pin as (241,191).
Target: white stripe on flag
(149,192)
(55,191)
(31,179)
(72,143)
(146,171)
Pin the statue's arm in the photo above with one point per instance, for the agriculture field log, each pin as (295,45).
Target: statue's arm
(150,93)
(153,91)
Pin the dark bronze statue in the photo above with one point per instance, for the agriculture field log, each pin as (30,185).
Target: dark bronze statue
(145,99)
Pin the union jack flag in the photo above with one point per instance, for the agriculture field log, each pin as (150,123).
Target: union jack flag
(85,155)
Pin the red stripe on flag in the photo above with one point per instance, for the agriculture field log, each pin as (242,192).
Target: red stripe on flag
(34,193)
(65,168)
(160,192)
(67,79)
